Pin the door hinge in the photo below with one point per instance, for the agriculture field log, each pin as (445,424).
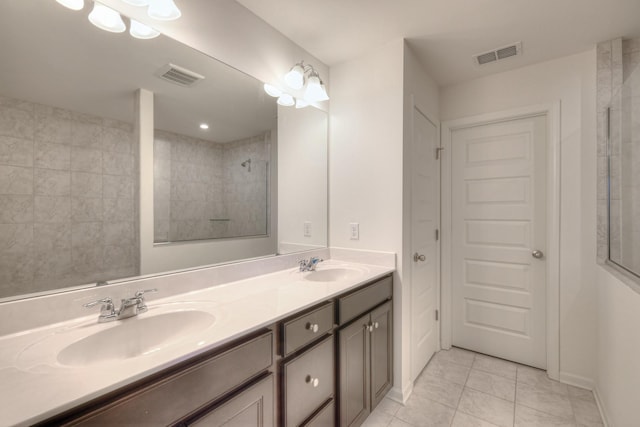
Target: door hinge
(437,234)
(438,150)
(437,315)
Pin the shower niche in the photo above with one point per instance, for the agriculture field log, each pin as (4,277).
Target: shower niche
(206,189)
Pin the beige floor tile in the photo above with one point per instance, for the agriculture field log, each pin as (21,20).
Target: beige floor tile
(465,420)
(388,406)
(456,355)
(396,422)
(378,419)
(539,379)
(495,385)
(447,370)
(586,412)
(579,393)
(542,400)
(495,366)
(422,412)
(527,417)
(438,389)
(486,407)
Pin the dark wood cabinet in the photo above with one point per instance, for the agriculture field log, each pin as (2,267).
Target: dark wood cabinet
(365,354)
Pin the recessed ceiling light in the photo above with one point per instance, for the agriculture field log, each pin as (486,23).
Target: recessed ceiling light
(204,126)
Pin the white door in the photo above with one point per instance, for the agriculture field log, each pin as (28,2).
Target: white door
(498,223)
(425,215)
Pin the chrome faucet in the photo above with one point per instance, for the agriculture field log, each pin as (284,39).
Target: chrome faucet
(309,265)
(129,307)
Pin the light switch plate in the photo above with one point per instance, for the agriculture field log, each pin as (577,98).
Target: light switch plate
(354,231)
(307,229)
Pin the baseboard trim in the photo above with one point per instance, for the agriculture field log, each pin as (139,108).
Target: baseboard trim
(401,396)
(577,380)
(603,412)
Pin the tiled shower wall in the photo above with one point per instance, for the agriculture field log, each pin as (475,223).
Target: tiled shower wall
(202,191)
(67,190)
(619,89)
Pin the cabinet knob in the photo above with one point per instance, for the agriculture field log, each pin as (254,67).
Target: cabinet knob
(313,327)
(312,381)
(376,325)
(369,327)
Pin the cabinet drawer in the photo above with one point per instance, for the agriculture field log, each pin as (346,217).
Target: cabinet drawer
(303,329)
(353,305)
(325,418)
(252,407)
(308,382)
(181,394)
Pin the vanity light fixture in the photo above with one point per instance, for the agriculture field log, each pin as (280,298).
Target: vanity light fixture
(106,18)
(295,77)
(272,90)
(163,10)
(72,4)
(137,2)
(286,100)
(142,31)
(315,91)
(301,103)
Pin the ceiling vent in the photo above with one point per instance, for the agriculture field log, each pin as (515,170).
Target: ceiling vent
(505,52)
(178,75)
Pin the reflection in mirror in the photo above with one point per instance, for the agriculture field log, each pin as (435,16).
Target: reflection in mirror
(624,169)
(69,164)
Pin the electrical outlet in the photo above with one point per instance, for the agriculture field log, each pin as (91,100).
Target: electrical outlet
(354,231)
(307,229)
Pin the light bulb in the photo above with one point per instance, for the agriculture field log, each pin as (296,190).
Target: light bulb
(272,90)
(295,77)
(137,2)
(204,126)
(286,100)
(72,4)
(163,10)
(301,103)
(141,31)
(315,91)
(106,19)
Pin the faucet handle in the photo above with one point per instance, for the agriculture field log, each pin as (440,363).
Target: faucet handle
(138,294)
(106,301)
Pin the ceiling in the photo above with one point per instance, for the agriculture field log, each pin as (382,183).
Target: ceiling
(52,55)
(444,34)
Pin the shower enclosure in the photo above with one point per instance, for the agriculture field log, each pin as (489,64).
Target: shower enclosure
(208,190)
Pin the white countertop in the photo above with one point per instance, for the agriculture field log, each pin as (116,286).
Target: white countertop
(35,386)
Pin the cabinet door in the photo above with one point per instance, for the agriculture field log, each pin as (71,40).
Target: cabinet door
(381,353)
(251,408)
(354,372)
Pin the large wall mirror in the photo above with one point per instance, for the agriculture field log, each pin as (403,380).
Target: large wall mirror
(253,184)
(624,169)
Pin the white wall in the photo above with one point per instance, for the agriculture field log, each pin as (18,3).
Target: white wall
(365,165)
(618,355)
(570,80)
(302,178)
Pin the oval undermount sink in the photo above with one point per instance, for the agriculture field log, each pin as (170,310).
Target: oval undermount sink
(333,274)
(135,337)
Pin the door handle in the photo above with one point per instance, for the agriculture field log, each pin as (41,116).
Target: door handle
(418,257)
(537,254)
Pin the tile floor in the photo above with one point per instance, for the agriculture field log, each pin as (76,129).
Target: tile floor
(459,388)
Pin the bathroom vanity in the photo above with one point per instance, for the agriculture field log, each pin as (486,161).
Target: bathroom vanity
(286,348)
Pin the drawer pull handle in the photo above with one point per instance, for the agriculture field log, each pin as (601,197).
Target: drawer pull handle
(313,381)
(313,327)
(369,327)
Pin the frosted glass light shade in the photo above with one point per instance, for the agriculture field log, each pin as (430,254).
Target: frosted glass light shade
(272,90)
(141,31)
(106,19)
(295,77)
(72,4)
(315,91)
(301,103)
(137,2)
(286,100)
(163,10)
